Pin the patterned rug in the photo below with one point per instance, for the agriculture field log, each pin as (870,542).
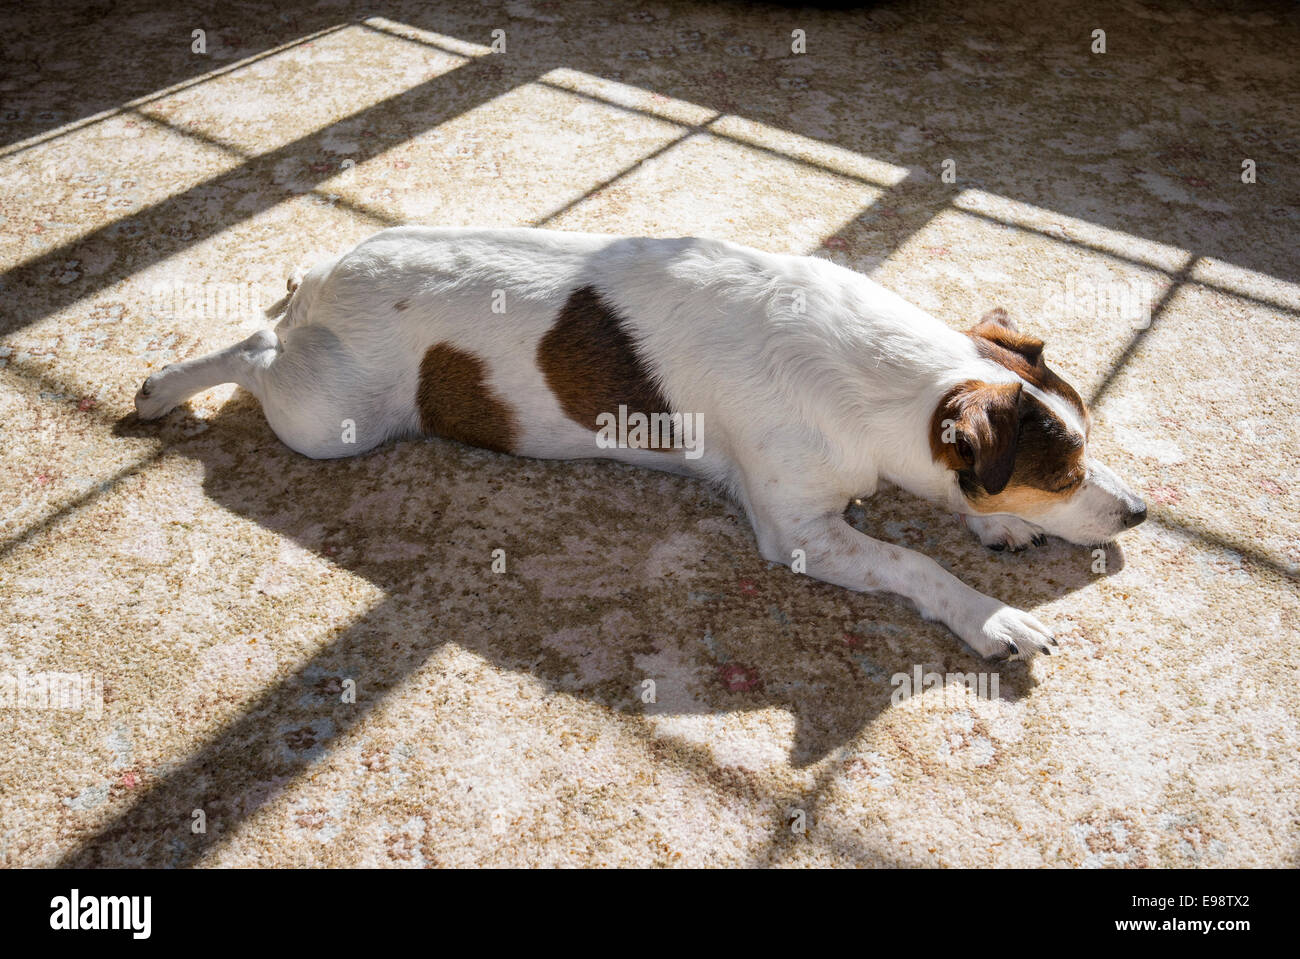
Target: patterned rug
(216,652)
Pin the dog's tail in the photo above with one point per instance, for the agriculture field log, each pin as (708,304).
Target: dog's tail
(301,287)
(278,308)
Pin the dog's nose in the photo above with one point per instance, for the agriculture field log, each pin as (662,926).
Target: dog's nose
(1135,516)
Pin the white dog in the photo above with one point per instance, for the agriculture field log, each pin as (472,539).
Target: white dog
(795,383)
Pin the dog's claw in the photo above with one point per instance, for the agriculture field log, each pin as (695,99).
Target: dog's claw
(997,547)
(1040,539)
(1004,632)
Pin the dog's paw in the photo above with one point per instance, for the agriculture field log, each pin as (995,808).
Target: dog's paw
(152,399)
(1009,633)
(1001,532)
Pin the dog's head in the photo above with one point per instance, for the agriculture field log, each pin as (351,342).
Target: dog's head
(1021,446)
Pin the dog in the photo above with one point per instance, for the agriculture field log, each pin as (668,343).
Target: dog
(796,384)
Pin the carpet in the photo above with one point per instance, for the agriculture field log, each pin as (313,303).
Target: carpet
(218,653)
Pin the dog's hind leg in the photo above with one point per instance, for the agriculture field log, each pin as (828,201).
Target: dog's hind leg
(314,395)
(174,384)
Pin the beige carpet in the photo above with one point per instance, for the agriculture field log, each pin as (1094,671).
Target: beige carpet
(228,597)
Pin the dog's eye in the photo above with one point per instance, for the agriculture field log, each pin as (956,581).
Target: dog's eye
(963,448)
(1067,485)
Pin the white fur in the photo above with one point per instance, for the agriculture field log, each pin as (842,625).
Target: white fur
(802,409)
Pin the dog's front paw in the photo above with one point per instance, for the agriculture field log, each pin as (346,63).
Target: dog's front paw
(1001,532)
(1008,633)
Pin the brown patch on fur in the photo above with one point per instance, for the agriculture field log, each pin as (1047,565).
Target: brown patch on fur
(1018,500)
(591,363)
(1011,453)
(996,338)
(401,305)
(455,402)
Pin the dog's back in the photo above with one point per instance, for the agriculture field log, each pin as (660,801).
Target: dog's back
(533,334)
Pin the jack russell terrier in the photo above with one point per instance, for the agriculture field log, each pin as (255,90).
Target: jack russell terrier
(799,385)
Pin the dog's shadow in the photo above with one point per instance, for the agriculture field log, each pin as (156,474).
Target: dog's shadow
(637,590)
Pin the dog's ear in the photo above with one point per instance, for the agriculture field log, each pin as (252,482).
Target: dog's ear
(999,317)
(997,328)
(976,428)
